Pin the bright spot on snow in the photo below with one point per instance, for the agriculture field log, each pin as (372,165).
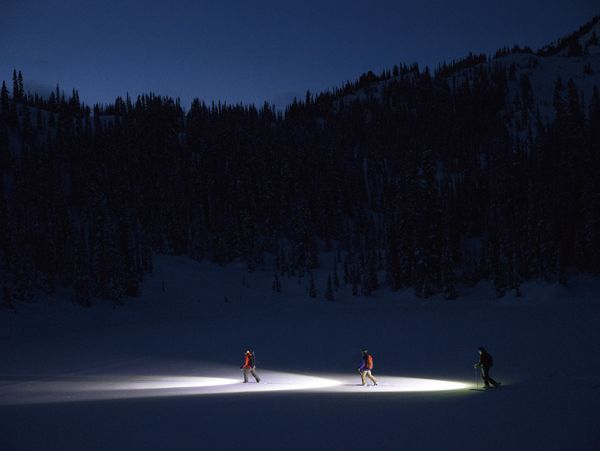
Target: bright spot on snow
(391,384)
(275,381)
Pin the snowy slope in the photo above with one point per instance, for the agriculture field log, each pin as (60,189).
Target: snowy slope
(584,40)
(542,71)
(162,371)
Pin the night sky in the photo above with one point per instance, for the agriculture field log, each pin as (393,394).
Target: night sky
(252,51)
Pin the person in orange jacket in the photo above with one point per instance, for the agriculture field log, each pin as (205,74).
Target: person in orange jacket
(366,367)
(249,366)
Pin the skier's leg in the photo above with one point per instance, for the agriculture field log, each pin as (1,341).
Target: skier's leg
(245,371)
(485,375)
(370,376)
(362,377)
(492,381)
(253,372)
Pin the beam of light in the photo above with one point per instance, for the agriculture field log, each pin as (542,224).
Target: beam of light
(89,388)
(162,383)
(105,387)
(108,387)
(394,384)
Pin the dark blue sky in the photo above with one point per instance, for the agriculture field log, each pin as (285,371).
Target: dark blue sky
(252,50)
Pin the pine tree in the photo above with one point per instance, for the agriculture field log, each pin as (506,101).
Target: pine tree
(336,279)
(355,278)
(4,104)
(21,89)
(312,289)
(276,285)
(329,290)
(429,234)
(5,153)
(15,91)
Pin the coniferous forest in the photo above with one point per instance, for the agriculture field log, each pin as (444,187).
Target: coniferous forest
(414,178)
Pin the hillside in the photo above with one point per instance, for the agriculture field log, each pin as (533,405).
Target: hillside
(485,170)
(532,76)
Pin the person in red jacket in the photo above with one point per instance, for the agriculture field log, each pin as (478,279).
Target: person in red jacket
(366,367)
(249,366)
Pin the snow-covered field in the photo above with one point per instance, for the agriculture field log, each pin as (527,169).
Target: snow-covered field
(162,371)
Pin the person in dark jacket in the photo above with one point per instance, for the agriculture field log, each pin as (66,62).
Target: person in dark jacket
(485,363)
(249,366)
(366,367)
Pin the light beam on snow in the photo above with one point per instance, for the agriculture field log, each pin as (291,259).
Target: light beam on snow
(89,388)
(394,384)
(165,383)
(108,387)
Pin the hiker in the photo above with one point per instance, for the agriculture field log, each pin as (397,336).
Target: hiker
(366,367)
(485,363)
(249,366)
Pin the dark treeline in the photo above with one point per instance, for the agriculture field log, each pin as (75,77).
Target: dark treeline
(420,181)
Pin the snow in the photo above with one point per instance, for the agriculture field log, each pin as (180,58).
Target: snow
(542,71)
(162,371)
